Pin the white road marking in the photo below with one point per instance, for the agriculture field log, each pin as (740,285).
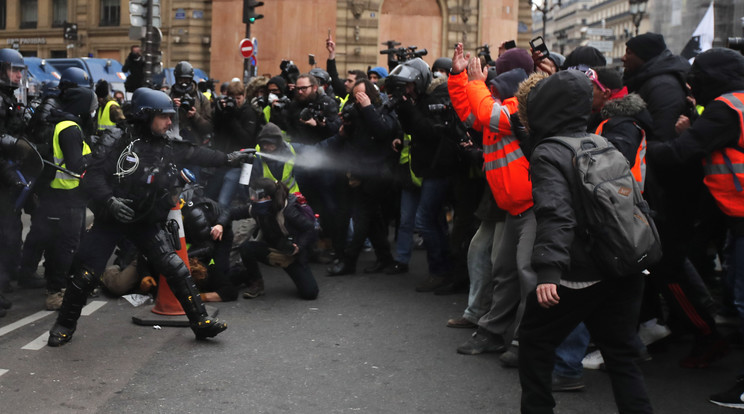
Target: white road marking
(37,343)
(25,321)
(3,371)
(92,307)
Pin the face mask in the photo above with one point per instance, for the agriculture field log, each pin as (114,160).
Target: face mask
(260,208)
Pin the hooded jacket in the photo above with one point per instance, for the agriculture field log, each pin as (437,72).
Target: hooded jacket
(661,84)
(716,72)
(558,106)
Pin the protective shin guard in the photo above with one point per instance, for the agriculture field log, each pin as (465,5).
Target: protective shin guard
(79,286)
(184,289)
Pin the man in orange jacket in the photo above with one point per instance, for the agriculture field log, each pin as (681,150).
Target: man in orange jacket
(507,174)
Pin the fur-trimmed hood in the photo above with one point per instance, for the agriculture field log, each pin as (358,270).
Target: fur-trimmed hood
(434,84)
(628,105)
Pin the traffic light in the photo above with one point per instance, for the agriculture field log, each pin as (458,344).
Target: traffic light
(249,11)
(70,31)
(138,12)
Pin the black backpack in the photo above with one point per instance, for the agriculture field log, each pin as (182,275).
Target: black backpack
(612,213)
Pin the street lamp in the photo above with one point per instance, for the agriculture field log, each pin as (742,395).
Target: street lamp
(637,10)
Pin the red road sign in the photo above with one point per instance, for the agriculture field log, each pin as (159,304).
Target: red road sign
(246,48)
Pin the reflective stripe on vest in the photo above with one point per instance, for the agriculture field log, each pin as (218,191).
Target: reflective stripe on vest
(405,158)
(724,168)
(639,165)
(104,116)
(62,180)
(287,173)
(506,167)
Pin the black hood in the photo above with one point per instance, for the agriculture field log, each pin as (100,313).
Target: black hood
(559,105)
(80,102)
(664,63)
(716,72)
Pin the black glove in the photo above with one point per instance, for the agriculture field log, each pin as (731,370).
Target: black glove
(7,142)
(120,209)
(235,158)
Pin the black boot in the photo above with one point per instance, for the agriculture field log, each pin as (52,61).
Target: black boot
(76,295)
(183,288)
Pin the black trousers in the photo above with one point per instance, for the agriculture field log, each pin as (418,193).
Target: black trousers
(11,229)
(366,209)
(610,311)
(55,232)
(253,252)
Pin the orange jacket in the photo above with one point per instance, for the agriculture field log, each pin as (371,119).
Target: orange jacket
(724,168)
(506,167)
(459,97)
(639,166)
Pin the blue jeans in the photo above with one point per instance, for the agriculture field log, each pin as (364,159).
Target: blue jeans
(229,187)
(429,223)
(570,352)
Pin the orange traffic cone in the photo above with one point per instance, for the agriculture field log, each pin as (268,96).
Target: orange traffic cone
(167,310)
(166,302)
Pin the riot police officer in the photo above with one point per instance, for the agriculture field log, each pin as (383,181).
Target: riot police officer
(132,190)
(11,127)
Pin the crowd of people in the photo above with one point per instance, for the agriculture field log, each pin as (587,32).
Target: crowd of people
(463,154)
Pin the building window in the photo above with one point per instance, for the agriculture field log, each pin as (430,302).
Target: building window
(110,12)
(29,14)
(59,13)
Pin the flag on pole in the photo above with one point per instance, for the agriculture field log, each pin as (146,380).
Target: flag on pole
(702,37)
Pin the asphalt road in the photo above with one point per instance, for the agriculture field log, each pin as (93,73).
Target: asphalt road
(368,344)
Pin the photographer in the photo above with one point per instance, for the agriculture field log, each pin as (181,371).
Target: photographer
(236,124)
(194,110)
(364,141)
(135,65)
(425,113)
(277,101)
(311,117)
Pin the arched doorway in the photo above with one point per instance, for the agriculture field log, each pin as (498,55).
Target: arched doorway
(412,23)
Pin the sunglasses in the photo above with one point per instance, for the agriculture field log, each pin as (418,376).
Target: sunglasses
(592,75)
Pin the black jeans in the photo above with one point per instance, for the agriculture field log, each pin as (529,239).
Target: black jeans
(367,203)
(610,311)
(253,252)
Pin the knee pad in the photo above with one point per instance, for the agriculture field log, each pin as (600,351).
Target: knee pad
(84,279)
(171,265)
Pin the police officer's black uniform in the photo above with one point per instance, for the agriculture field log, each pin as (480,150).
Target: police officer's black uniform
(11,127)
(132,191)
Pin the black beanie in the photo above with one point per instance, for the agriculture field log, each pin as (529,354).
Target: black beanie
(270,134)
(647,46)
(515,58)
(102,89)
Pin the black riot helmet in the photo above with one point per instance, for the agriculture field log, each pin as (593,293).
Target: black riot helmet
(146,103)
(81,102)
(10,61)
(414,71)
(321,75)
(74,78)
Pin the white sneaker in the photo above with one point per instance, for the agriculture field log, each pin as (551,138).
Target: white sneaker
(650,332)
(592,360)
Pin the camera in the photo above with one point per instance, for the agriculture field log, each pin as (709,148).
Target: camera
(228,103)
(312,111)
(736,43)
(290,71)
(187,103)
(260,101)
(281,103)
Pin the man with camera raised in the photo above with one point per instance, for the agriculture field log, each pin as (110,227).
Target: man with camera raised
(194,110)
(310,117)
(236,125)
